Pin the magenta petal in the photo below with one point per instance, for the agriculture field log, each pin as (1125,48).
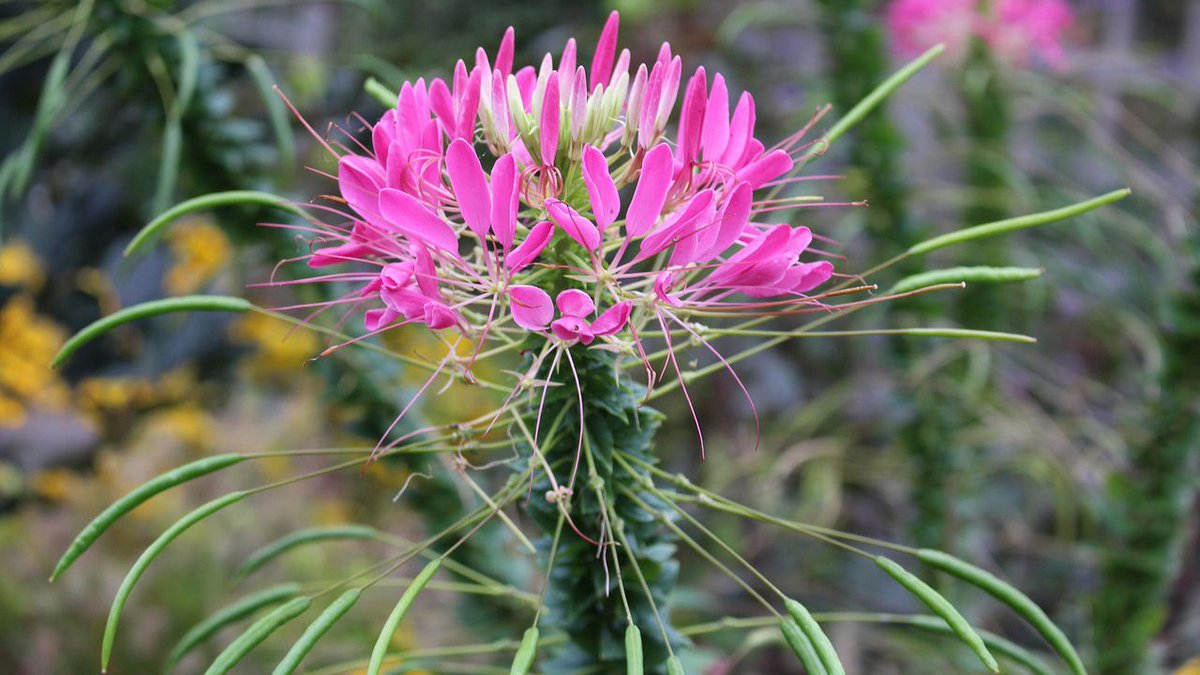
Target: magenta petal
(374,319)
(741,130)
(551,118)
(606,46)
(468,106)
(716,120)
(807,276)
(602,192)
(651,191)
(575,225)
(470,186)
(766,168)
(576,303)
(412,218)
(570,328)
(504,55)
(531,248)
(438,316)
(735,214)
(613,319)
(531,307)
(359,180)
(566,66)
(504,200)
(691,117)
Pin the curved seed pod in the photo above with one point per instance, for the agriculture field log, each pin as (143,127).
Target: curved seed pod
(147,557)
(820,642)
(675,666)
(1006,648)
(1018,223)
(225,616)
(633,651)
(981,274)
(1015,599)
(145,491)
(203,203)
(321,625)
(186,303)
(393,621)
(523,661)
(801,646)
(288,542)
(940,606)
(257,632)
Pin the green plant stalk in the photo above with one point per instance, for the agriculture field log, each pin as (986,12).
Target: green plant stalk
(1149,500)
(577,601)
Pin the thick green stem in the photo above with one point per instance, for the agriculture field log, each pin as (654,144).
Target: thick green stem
(582,597)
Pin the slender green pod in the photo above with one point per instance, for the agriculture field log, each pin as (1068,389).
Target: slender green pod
(286,543)
(224,617)
(129,502)
(1007,594)
(940,606)
(393,621)
(795,638)
(1019,223)
(204,203)
(186,303)
(634,664)
(978,274)
(675,666)
(147,557)
(380,92)
(321,625)
(816,636)
(523,661)
(257,632)
(1006,648)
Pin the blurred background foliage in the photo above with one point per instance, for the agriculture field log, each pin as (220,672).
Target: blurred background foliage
(1071,465)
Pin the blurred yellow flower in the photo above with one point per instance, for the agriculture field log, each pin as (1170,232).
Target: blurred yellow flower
(1192,667)
(19,266)
(280,347)
(27,343)
(55,485)
(200,249)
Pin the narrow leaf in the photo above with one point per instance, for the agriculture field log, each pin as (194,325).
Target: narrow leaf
(1015,599)
(990,275)
(187,303)
(168,166)
(942,607)
(204,203)
(393,621)
(1018,223)
(277,112)
(321,625)
(286,543)
(257,632)
(145,491)
(147,557)
(226,616)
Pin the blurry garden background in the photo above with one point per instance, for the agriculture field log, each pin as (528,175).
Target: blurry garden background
(1070,465)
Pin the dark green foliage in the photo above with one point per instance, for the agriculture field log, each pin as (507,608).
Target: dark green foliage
(582,598)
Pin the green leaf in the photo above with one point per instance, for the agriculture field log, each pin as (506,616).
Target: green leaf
(187,303)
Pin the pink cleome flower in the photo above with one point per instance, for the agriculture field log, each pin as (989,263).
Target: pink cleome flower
(585,195)
(1014,30)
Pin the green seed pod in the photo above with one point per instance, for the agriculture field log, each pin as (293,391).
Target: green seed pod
(257,632)
(675,666)
(225,616)
(288,542)
(1015,599)
(321,625)
(145,491)
(393,621)
(942,607)
(633,651)
(820,642)
(801,646)
(523,661)
(988,275)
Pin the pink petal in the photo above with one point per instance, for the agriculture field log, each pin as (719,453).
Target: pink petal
(716,120)
(613,319)
(526,80)
(807,276)
(504,55)
(651,191)
(566,66)
(531,248)
(570,328)
(505,200)
(698,212)
(575,225)
(531,307)
(578,103)
(663,284)
(650,99)
(470,186)
(735,214)
(601,189)
(606,46)
(360,180)
(741,130)
(551,111)
(468,106)
(442,103)
(691,117)
(766,168)
(374,319)
(576,303)
(438,316)
(412,218)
